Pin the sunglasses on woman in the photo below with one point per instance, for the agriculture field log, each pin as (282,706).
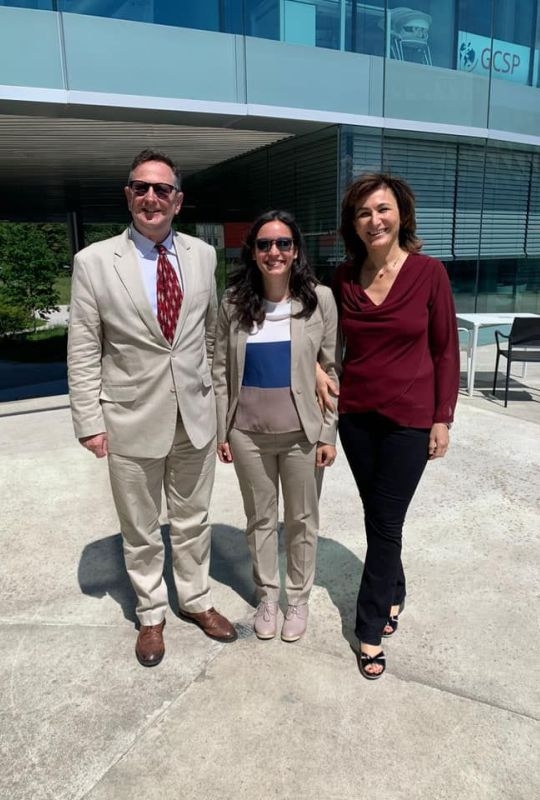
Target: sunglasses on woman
(283,244)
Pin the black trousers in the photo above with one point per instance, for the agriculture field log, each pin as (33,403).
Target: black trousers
(387,462)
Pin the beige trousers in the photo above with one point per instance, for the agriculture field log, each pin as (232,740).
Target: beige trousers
(261,460)
(187,476)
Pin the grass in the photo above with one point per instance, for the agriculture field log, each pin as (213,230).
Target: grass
(63,286)
(42,346)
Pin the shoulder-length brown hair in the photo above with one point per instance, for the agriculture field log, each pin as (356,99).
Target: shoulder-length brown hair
(364,185)
(246,286)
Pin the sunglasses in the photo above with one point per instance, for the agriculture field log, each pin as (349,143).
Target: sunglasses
(161,190)
(284,245)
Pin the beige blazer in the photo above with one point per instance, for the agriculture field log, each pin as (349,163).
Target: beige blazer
(124,376)
(314,339)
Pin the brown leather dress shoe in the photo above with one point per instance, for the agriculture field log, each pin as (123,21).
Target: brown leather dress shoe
(212,623)
(150,647)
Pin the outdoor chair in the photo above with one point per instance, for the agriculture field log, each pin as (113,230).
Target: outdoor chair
(524,334)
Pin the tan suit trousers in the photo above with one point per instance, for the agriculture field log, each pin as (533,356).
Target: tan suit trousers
(261,461)
(187,475)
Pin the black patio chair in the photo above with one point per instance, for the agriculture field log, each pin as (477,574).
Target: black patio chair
(524,334)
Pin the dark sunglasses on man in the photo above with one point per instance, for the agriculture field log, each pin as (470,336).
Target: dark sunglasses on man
(283,244)
(161,190)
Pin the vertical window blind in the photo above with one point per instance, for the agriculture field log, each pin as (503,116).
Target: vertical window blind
(532,243)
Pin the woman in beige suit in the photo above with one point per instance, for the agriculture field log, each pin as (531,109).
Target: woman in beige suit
(275,323)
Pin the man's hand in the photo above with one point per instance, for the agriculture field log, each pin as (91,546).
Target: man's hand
(224,452)
(439,440)
(97,444)
(325,389)
(326,455)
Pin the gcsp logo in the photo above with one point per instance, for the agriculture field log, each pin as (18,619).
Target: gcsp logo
(468,60)
(483,56)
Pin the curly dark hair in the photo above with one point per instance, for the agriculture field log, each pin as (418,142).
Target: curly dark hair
(364,185)
(156,155)
(246,290)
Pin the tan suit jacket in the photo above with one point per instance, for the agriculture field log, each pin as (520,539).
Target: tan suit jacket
(314,339)
(124,376)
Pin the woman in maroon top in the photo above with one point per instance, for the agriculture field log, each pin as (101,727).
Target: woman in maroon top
(399,384)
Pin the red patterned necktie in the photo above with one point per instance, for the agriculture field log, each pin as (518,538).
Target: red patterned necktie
(169,294)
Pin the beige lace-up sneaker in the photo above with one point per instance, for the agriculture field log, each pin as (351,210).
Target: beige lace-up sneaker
(266,620)
(295,623)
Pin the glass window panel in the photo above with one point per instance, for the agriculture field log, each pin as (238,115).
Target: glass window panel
(514,30)
(462,276)
(360,151)
(468,200)
(509,285)
(515,21)
(261,18)
(506,197)
(208,15)
(474,16)
(365,27)
(136,10)
(430,168)
(329,24)
(309,22)
(536,68)
(423,34)
(41,5)
(528,285)
(202,15)
(532,245)
(299,22)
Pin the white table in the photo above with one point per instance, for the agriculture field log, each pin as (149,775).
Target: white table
(474,322)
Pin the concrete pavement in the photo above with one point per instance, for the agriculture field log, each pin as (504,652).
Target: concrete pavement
(456,714)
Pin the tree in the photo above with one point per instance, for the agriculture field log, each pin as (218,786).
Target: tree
(96,232)
(56,234)
(28,270)
(13,319)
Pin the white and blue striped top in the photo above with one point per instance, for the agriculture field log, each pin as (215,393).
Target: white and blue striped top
(266,404)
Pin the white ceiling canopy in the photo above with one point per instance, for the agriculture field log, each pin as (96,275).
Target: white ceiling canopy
(50,163)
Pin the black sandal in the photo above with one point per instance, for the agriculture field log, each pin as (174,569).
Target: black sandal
(365,661)
(392,622)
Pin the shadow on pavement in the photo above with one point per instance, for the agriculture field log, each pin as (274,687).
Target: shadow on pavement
(339,572)
(102,572)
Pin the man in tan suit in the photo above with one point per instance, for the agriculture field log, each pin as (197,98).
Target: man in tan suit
(141,340)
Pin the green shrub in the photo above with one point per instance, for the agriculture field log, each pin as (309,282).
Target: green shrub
(13,319)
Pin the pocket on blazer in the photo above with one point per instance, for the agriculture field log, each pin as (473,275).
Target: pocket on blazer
(118,394)
(206,380)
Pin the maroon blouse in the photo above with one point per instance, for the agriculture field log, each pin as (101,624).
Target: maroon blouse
(402,356)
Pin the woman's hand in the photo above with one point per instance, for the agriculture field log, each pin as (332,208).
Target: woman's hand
(326,455)
(325,389)
(439,440)
(224,452)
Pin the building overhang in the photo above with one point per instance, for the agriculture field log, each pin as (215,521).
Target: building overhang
(62,151)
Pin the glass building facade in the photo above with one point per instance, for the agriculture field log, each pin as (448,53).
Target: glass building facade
(499,37)
(481,36)
(442,92)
